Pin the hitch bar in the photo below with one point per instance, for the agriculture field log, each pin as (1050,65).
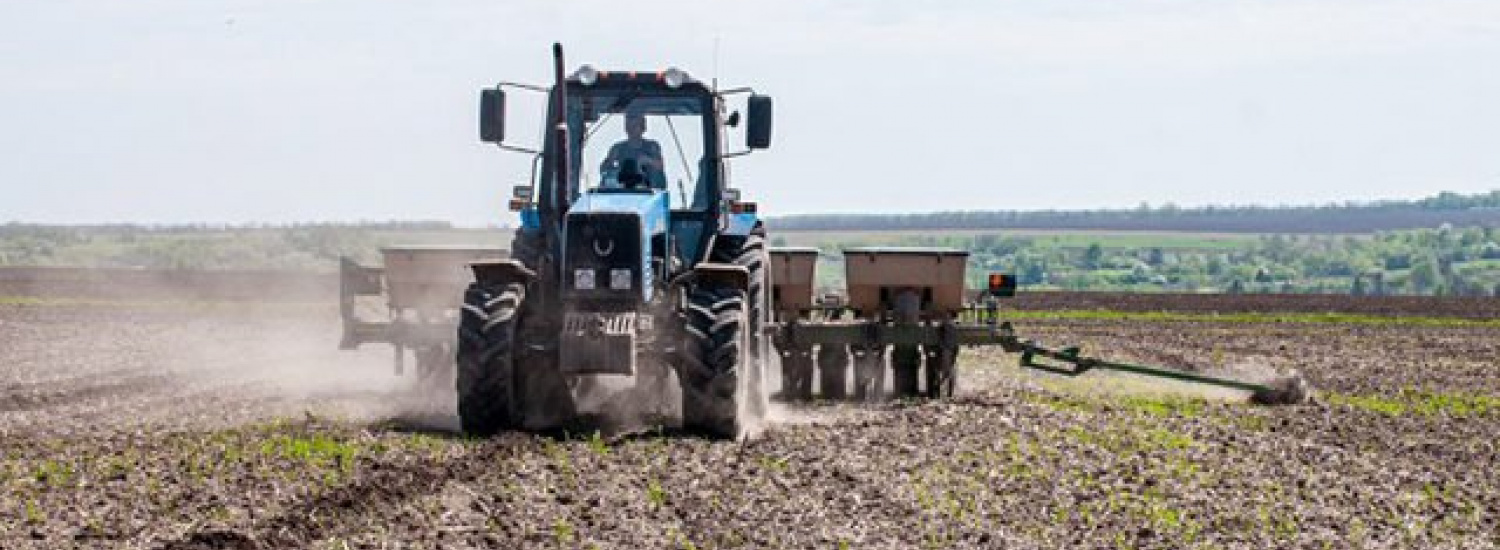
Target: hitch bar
(1076,364)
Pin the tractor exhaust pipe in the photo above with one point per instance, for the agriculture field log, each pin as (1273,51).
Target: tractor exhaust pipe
(563,160)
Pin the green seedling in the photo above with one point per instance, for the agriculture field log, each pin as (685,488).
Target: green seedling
(1422,403)
(34,514)
(772,463)
(655,494)
(597,444)
(55,473)
(316,450)
(562,532)
(1167,439)
(1252,317)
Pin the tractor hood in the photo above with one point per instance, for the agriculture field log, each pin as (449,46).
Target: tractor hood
(650,206)
(607,247)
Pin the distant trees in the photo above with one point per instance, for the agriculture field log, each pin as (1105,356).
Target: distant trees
(1350,217)
(1420,261)
(1424,275)
(1452,259)
(1093,256)
(200,246)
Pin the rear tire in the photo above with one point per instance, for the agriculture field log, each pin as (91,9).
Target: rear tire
(485,381)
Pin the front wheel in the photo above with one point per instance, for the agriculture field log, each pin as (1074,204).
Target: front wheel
(485,381)
(719,378)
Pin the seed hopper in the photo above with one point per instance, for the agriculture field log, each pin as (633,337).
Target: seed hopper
(410,303)
(906,315)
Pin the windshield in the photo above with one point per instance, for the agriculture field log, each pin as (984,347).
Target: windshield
(626,140)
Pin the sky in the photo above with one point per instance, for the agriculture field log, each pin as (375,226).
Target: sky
(236,111)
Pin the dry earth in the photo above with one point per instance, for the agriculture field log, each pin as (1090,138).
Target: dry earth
(222,426)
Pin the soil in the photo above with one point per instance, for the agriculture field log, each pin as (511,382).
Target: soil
(223,426)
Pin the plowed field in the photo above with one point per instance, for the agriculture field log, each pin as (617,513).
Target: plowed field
(223,426)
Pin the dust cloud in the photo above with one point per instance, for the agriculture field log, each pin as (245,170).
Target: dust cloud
(178,357)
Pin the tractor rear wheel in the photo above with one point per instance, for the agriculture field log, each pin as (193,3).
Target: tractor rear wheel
(833,371)
(486,358)
(716,369)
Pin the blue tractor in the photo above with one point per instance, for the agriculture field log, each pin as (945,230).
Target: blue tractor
(636,290)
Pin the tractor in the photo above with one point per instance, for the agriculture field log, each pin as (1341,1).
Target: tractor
(639,290)
(636,288)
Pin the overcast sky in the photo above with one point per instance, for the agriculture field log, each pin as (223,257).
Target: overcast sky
(237,111)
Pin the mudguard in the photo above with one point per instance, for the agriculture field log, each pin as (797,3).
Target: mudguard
(722,275)
(501,272)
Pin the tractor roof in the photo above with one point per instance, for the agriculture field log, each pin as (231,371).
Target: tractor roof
(671,78)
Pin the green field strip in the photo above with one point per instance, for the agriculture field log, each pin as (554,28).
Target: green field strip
(1249,317)
(1420,403)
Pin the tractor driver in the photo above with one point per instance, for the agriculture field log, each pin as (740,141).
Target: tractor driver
(645,152)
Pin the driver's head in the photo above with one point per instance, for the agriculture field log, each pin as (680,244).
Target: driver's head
(635,125)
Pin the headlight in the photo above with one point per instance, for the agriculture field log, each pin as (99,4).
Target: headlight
(587,75)
(674,77)
(619,279)
(583,279)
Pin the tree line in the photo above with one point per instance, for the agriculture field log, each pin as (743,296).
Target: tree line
(1350,217)
(1437,261)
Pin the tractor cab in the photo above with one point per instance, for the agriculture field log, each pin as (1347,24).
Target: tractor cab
(629,141)
(643,178)
(636,152)
(629,238)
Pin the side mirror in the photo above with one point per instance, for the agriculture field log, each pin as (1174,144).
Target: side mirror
(492,115)
(758,132)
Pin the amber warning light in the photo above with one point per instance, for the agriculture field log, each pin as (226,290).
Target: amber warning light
(1002,285)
